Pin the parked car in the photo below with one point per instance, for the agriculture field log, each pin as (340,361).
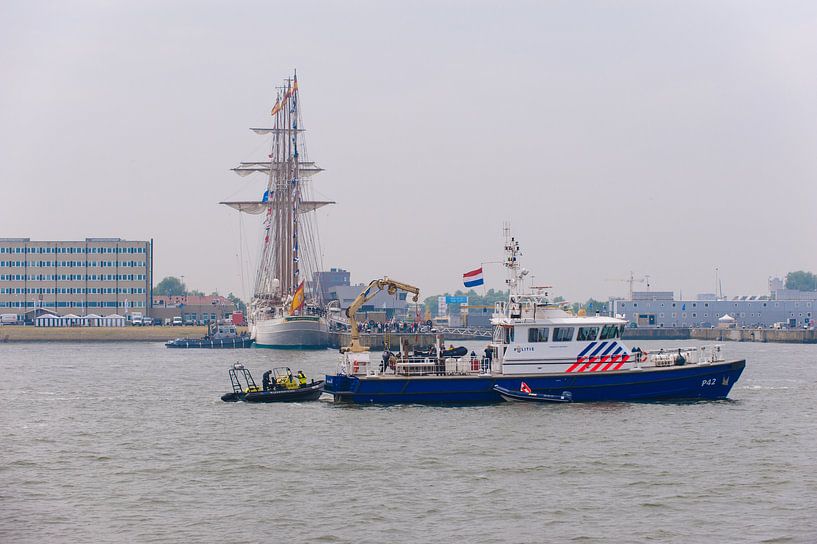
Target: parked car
(8,319)
(177,321)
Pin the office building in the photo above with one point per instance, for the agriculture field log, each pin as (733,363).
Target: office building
(96,275)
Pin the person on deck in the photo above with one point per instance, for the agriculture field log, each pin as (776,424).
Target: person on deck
(301,378)
(265,381)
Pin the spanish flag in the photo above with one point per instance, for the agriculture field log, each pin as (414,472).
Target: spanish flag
(297,299)
(277,107)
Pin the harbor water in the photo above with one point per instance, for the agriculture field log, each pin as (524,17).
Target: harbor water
(129,442)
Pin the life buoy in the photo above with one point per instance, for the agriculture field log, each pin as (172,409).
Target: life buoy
(643,356)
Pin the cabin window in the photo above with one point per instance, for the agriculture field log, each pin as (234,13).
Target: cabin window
(587,334)
(539,334)
(621,331)
(563,334)
(608,332)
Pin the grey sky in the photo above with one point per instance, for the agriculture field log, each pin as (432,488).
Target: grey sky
(664,137)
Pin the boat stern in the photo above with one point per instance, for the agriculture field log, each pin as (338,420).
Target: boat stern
(340,385)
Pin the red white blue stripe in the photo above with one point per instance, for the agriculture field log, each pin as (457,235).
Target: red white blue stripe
(612,358)
(473,278)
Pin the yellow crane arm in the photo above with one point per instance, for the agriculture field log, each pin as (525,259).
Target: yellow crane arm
(369,293)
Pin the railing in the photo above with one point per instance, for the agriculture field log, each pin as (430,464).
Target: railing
(689,355)
(417,366)
(468,331)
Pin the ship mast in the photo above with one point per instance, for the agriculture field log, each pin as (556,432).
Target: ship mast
(290,239)
(515,275)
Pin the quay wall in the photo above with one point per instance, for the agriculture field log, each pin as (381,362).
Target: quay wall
(788,336)
(97,334)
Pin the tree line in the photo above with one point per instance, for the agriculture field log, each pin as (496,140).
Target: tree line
(173,286)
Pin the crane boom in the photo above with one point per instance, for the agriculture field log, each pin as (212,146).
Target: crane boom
(391,286)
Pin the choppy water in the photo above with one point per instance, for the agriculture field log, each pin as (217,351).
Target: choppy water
(130,443)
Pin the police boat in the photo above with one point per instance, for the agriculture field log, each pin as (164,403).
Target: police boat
(540,352)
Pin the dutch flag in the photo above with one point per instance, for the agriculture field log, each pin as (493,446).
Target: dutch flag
(473,278)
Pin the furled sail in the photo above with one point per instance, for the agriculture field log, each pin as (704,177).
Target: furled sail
(306,168)
(265,131)
(255,207)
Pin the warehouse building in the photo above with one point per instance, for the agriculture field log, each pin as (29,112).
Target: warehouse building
(660,309)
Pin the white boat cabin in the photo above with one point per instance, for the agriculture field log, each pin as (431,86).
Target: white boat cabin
(532,336)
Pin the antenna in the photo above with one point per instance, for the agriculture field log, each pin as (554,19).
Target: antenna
(631,280)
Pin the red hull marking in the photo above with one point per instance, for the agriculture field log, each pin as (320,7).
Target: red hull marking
(585,367)
(573,367)
(613,361)
(621,364)
(595,368)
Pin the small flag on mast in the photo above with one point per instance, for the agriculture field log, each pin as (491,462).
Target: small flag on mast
(277,107)
(473,278)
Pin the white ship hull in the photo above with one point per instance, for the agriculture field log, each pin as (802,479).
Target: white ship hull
(295,332)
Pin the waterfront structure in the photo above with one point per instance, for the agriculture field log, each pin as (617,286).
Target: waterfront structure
(327,279)
(778,291)
(390,306)
(478,316)
(95,275)
(661,309)
(192,308)
(71,320)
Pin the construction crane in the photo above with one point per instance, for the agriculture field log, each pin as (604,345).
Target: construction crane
(632,279)
(391,286)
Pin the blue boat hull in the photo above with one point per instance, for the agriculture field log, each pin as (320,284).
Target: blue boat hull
(222,343)
(713,381)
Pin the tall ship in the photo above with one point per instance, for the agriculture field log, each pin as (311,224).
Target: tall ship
(286,310)
(539,353)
